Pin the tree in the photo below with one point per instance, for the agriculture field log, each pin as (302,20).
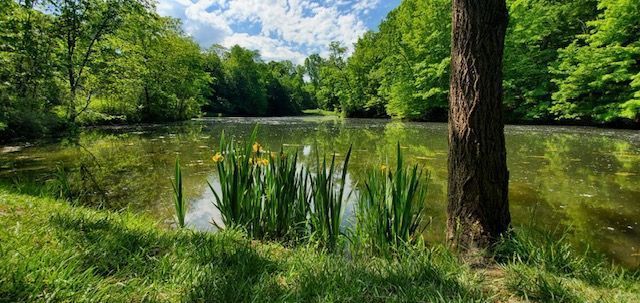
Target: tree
(334,85)
(478,207)
(82,25)
(247,92)
(599,74)
(537,30)
(416,39)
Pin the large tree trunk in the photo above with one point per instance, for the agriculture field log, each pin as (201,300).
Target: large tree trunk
(478,207)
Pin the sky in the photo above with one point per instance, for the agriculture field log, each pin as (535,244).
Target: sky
(279,29)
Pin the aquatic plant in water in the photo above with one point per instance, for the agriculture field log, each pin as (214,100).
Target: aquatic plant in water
(273,196)
(285,199)
(328,199)
(260,191)
(390,208)
(178,195)
(239,198)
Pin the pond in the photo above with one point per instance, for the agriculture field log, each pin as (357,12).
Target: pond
(586,180)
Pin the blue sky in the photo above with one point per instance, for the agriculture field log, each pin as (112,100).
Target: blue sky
(279,29)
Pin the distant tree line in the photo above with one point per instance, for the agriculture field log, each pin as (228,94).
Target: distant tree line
(65,63)
(573,61)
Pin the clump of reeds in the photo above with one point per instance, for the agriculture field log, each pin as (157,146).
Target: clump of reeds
(285,199)
(273,196)
(328,199)
(390,208)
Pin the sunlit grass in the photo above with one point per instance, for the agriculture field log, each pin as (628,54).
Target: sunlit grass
(544,267)
(51,251)
(54,252)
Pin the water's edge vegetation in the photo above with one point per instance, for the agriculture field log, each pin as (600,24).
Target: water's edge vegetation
(52,251)
(281,239)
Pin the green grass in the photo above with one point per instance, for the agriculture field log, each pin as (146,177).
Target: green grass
(544,267)
(52,251)
(320,112)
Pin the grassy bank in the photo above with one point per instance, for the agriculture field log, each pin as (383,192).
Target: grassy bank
(320,112)
(51,251)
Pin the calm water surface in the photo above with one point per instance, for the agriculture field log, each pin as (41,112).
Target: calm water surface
(585,179)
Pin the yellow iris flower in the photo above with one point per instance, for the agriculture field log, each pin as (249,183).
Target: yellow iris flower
(218,157)
(257,147)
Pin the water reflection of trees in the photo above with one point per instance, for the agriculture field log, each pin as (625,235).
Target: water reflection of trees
(588,180)
(579,179)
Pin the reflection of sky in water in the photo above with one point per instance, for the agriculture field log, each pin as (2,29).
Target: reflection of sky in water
(585,178)
(202,212)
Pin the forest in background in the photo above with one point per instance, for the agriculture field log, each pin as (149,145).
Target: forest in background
(565,61)
(68,63)
(88,62)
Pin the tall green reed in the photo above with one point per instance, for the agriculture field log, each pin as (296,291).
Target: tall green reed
(273,196)
(59,185)
(390,208)
(286,203)
(178,195)
(262,192)
(328,200)
(239,198)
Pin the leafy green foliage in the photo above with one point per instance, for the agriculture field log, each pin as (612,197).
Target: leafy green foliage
(538,30)
(88,62)
(571,61)
(27,77)
(599,74)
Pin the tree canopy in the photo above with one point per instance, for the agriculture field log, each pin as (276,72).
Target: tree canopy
(571,61)
(85,62)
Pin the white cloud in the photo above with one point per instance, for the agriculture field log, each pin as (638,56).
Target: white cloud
(280,29)
(366,6)
(270,49)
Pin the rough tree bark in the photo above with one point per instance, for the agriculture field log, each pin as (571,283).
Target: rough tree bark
(478,207)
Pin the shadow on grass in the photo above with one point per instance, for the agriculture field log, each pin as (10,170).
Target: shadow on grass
(544,266)
(108,247)
(224,268)
(405,281)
